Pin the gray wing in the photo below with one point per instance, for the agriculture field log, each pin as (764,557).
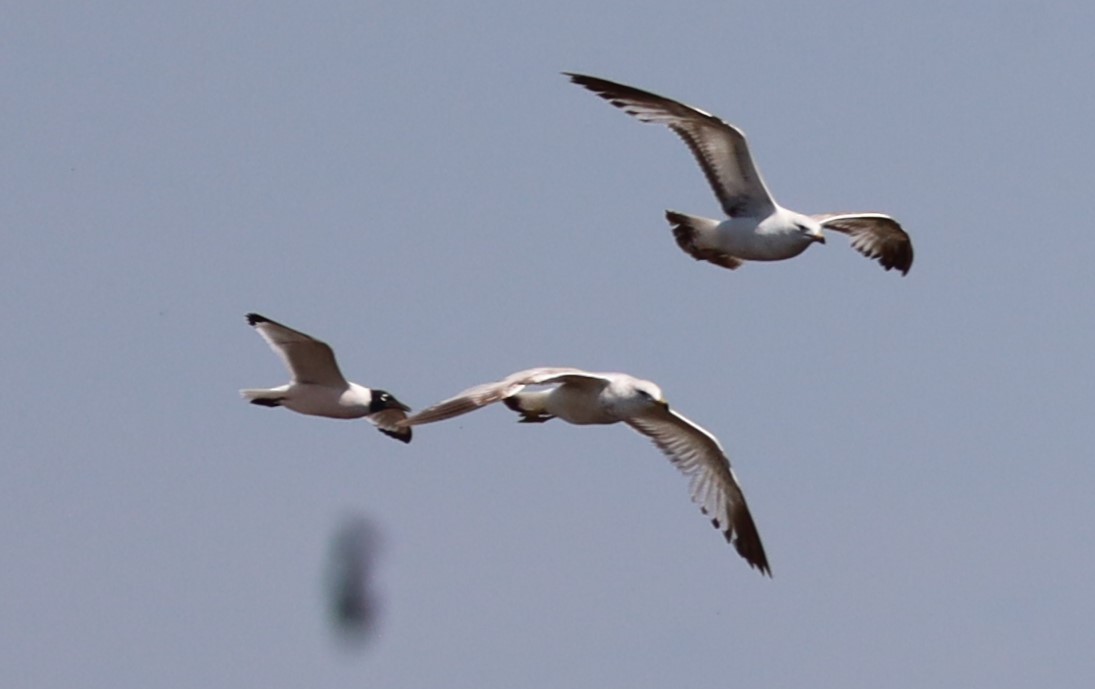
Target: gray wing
(719,147)
(488,393)
(875,236)
(308,359)
(714,486)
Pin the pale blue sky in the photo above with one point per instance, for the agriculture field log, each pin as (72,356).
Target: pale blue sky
(416,184)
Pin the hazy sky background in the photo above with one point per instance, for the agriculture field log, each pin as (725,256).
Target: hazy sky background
(415,183)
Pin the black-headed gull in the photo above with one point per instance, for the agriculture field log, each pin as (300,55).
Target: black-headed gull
(757,228)
(581,397)
(318,388)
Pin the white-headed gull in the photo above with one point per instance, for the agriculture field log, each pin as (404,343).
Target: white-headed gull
(318,388)
(581,397)
(757,228)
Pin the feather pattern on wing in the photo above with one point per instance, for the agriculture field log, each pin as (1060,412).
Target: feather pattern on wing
(309,360)
(481,395)
(719,147)
(874,235)
(713,485)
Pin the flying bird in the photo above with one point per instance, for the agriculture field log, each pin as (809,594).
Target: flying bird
(756,228)
(318,387)
(581,397)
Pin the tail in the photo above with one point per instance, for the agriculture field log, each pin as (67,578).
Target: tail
(691,232)
(531,405)
(264,398)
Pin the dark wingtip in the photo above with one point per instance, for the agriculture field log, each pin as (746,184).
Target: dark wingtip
(901,261)
(255,319)
(592,83)
(896,255)
(748,542)
(401,434)
(906,261)
(753,553)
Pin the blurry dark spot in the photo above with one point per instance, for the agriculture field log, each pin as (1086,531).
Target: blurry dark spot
(353,603)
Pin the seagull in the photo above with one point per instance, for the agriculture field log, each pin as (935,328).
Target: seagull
(757,228)
(582,398)
(318,388)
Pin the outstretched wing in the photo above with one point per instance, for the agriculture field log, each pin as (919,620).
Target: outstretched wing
(714,487)
(308,359)
(488,393)
(719,147)
(875,236)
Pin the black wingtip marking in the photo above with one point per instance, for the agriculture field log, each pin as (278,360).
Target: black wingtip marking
(402,434)
(611,91)
(748,543)
(255,319)
(268,401)
(901,264)
(904,260)
(897,257)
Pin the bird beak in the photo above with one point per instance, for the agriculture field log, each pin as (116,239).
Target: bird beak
(663,404)
(402,406)
(819,238)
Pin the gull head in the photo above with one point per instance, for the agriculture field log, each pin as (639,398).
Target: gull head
(382,399)
(809,228)
(646,395)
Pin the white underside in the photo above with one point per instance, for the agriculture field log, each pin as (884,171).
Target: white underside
(578,406)
(771,239)
(320,400)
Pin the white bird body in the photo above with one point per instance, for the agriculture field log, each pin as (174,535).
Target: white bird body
(318,387)
(589,401)
(350,402)
(773,238)
(585,398)
(756,227)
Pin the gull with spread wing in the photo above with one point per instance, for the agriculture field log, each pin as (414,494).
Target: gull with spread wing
(581,397)
(318,387)
(757,228)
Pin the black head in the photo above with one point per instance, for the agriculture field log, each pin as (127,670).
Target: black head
(382,399)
